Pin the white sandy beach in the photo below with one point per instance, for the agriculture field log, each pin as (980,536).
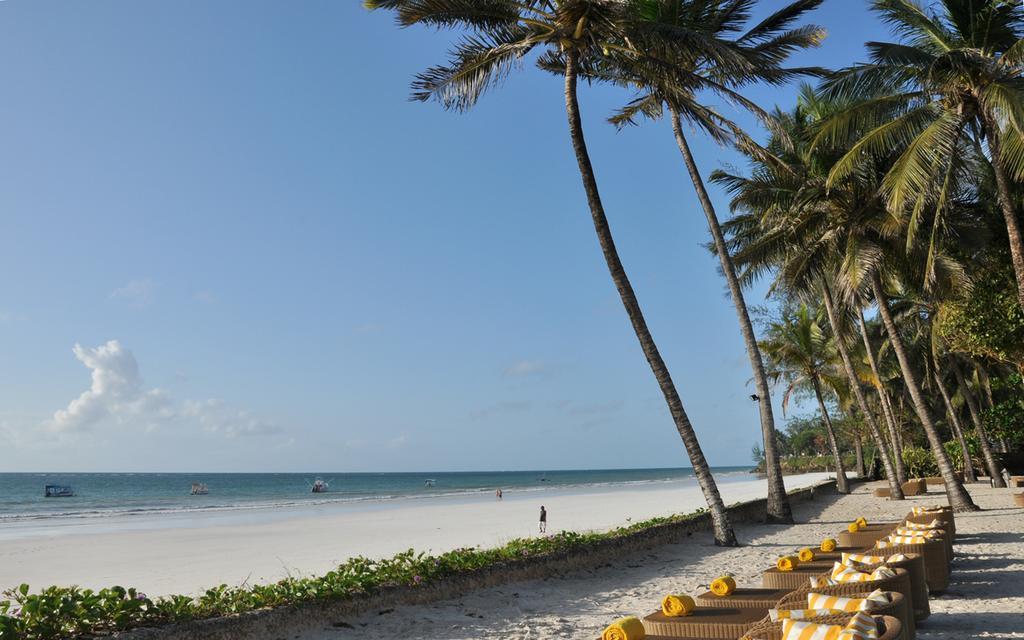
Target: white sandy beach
(184,554)
(985,598)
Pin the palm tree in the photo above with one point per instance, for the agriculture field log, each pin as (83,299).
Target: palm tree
(956,75)
(979,426)
(784,203)
(883,395)
(797,352)
(576,34)
(954,419)
(765,46)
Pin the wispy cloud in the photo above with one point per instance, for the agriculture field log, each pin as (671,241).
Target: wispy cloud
(136,293)
(507,406)
(525,368)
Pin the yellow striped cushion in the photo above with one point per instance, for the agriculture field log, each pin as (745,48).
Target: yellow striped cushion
(861,627)
(875,600)
(925,533)
(894,540)
(842,573)
(822,581)
(852,559)
(934,524)
(799,614)
(848,558)
(800,630)
(918,511)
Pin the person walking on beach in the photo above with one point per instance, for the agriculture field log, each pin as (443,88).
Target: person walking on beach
(498,494)
(543,519)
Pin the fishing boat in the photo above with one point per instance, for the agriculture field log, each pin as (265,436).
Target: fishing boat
(319,486)
(200,489)
(58,491)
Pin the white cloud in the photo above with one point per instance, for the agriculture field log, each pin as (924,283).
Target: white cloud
(137,293)
(117,394)
(398,441)
(525,368)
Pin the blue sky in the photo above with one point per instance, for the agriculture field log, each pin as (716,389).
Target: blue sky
(271,260)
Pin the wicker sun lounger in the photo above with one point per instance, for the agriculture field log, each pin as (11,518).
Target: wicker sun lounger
(898,609)
(900,584)
(774,578)
(889,628)
(945,517)
(936,565)
(724,623)
(866,536)
(744,598)
(915,566)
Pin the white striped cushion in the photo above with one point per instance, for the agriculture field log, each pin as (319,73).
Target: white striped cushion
(799,614)
(919,511)
(875,599)
(822,581)
(924,533)
(861,558)
(800,630)
(861,627)
(934,524)
(841,573)
(894,540)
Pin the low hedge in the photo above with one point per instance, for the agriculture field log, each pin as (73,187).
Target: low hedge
(69,612)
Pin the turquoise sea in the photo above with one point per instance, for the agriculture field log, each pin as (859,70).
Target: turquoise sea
(99,495)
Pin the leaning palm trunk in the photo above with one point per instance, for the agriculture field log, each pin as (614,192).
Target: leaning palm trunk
(1006,204)
(778,510)
(858,447)
(954,422)
(724,534)
(958,497)
(895,490)
(883,395)
(842,485)
(979,428)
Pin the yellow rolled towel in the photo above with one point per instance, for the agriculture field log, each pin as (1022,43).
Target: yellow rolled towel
(828,545)
(723,586)
(675,606)
(787,563)
(861,522)
(628,628)
(806,554)
(853,527)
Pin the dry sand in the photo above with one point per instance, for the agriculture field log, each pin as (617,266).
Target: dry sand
(188,553)
(985,598)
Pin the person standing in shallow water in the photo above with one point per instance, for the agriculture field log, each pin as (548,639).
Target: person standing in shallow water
(543,519)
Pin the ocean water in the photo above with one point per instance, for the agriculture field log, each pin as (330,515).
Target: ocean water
(99,495)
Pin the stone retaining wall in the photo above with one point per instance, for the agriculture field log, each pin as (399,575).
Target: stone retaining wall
(280,623)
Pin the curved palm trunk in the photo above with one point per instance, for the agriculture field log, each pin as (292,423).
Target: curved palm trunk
(842,485)
(979,427)
(884,400)
(724,534)
(954,422)
(858,447)
(958,497)
(1006,204)
(895,490)
(779,510)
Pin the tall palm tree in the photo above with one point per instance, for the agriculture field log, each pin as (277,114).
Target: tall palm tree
(883,395)
(765,46)
(575,34)
(956,74)
(798,353)
(785,205)
(979,426)
(954,420)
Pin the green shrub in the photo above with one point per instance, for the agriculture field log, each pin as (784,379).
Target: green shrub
(919,463)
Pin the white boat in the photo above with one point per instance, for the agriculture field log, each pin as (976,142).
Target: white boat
(58,491)
(199,489)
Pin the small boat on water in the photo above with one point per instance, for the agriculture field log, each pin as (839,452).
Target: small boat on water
(58,491)
(319,486)
(200,489)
